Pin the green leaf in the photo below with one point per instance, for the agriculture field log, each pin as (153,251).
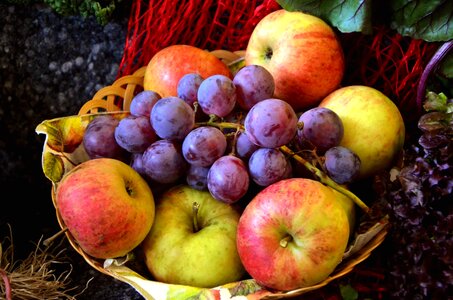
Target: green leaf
(428,20)
(437,102)
(53,166)
(346,15)
(348,292)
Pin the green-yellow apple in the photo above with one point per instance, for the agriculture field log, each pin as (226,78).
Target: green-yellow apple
(373,126)
(349,207)
(301,52)
(193,239)
(107,207)
(170,64)
(292,234)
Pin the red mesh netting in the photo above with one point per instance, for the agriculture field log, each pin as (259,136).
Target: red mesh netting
(385,60)
(207,24)
(388,62)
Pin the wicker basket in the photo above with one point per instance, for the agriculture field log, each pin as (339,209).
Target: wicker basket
(117,98)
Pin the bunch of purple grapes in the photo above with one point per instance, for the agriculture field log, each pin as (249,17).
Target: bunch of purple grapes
(220,134)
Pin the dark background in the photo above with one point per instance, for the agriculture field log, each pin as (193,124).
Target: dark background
(49,66)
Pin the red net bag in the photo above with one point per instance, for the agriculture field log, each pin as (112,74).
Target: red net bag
(210,24)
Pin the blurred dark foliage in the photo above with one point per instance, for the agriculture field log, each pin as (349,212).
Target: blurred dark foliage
(420,207)
(103,10)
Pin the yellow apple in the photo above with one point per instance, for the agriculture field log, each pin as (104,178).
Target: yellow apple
(193,239)
(373,126)
(301,52)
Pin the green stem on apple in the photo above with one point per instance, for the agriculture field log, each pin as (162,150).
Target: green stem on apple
(195,208)
(326,179)
(284,241)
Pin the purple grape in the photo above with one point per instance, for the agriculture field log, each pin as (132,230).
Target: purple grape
(172,118)
(137,163)
(163,161)
(244,147)
(267,166)
(135,134)
(217,95)
(271,123)
(288,170)
(99,139)
(143,102)
(228,179)
(203,146)
(196,177)
(342,164)
(322,128)
(254,83)
(187,87)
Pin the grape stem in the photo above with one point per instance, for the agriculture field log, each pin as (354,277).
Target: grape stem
(326,179)
(222,125)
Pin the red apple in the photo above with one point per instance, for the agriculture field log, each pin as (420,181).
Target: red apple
(170,64)
(301,52)
(107,207)
(292,234)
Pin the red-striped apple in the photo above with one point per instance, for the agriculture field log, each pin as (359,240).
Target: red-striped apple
(293,234)
(301,52)
(107,207)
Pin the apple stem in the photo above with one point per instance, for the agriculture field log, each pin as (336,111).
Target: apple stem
(284,241)
(195,208)
(326,179)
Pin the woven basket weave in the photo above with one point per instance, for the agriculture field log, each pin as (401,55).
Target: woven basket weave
(117,97)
